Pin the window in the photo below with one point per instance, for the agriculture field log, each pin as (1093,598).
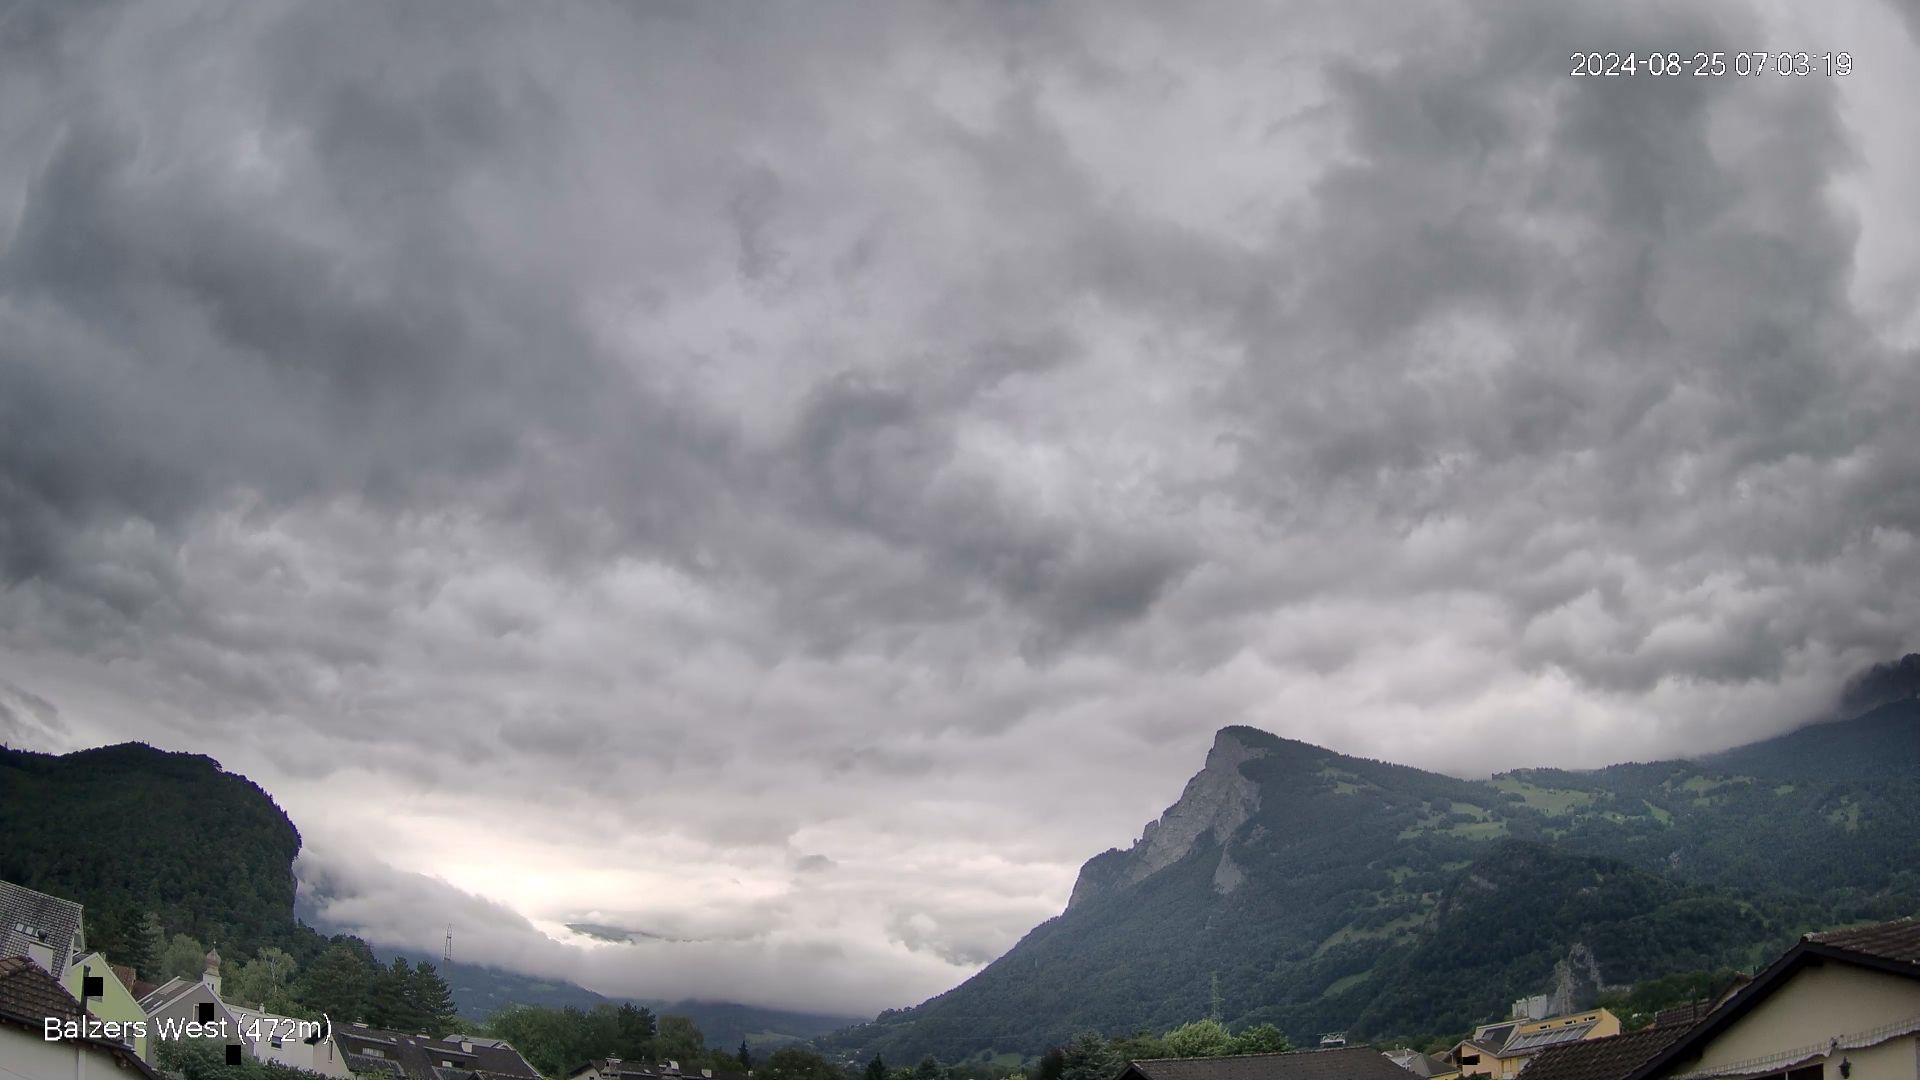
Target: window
(275,1042)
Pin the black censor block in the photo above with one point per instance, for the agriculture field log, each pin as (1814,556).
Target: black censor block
(93,986)
(233,1053)
(206,1012)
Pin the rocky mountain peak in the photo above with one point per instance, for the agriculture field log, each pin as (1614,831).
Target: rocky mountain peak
(1216,801)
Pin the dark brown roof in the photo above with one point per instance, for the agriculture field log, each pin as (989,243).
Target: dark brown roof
(1689,1013)
(29,997)
(632,1069)
(1614,1057)
(1896,941)
(418,1057)
(1346,1063)
(29,993)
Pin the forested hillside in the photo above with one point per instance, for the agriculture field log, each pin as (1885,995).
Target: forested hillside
(170,855)
(132,832)
(1317,891)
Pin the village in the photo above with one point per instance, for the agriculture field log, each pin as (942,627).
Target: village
(1838,1005)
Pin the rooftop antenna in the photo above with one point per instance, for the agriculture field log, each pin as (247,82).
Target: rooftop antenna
(447,955)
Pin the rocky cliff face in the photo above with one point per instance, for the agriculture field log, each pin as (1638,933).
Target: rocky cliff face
(1216,801)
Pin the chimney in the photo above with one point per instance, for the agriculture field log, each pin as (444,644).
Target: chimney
(41,953)
(466,1047)
(212,975)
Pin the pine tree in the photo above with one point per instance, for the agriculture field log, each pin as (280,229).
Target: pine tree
(1089,1057)
(745,1056)
(337,984)
(636,1027)
(430,1000)
(390,1002)
(876,1069)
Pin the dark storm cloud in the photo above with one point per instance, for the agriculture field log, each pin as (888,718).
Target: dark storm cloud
(737,474)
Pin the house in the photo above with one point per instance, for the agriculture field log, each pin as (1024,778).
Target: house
(178,1002)
(42,928)
(29,998)
(1479,1053)
(422,1057)
(1500,1050)
(618,1069)
(1345,1063)
(1843,1005)
(1613,1058)
(1425,1066)
(102,990)
(299,1044)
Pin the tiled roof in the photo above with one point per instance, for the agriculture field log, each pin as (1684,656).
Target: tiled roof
(30,994)
(49,919)
(419,1057)
(623,1069)
(1896,941)
(1682,1014)
(1346,1063)
(1614,1057)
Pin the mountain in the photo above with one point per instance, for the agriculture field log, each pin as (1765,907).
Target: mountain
(1318,891)
(128,830)
(479,992)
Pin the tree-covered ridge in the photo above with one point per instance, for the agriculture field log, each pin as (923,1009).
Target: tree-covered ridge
(131,832)
(1349,901)
(481,991)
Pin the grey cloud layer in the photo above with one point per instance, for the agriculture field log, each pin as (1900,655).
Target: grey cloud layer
(807,479)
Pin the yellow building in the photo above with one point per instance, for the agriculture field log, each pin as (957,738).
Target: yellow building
(113,1002)
(1500,1050)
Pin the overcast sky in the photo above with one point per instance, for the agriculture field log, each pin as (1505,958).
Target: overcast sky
(797,479)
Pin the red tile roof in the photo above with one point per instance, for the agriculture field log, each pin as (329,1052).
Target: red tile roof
(27,992)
